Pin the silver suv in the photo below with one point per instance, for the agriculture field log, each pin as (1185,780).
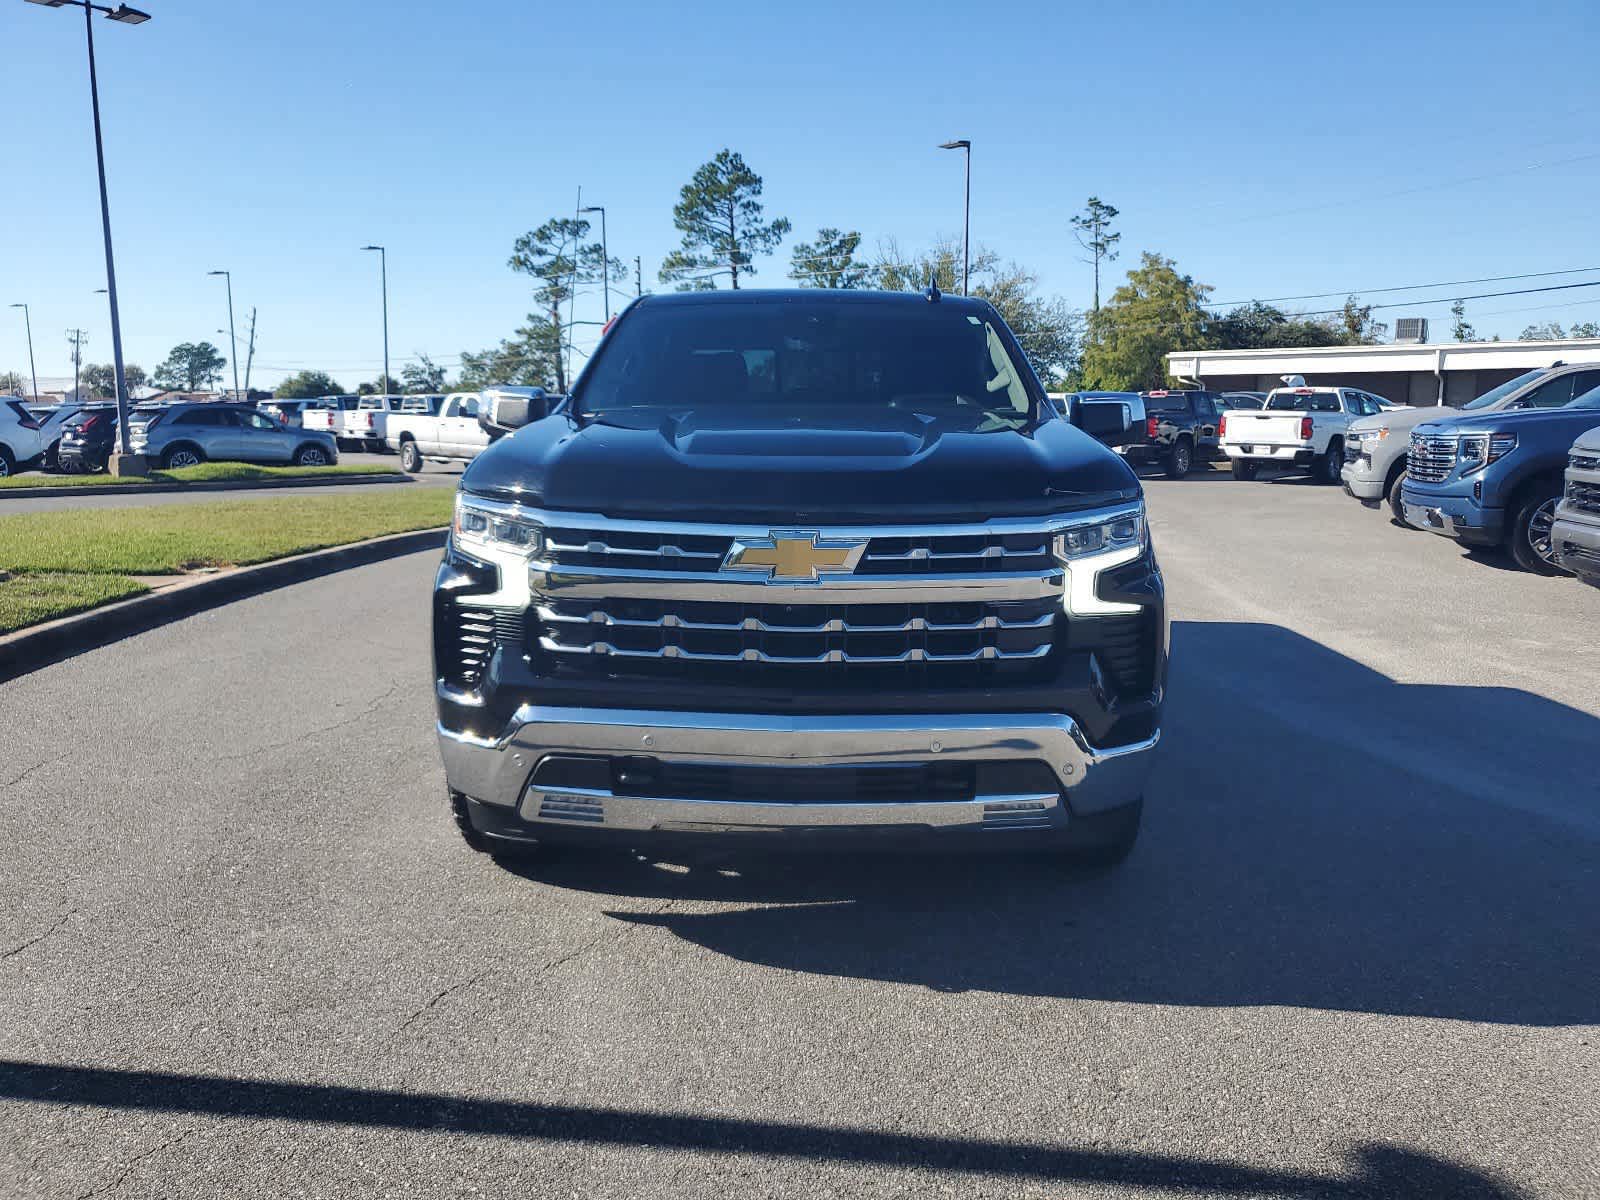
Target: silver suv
(186,435)
(1375,447)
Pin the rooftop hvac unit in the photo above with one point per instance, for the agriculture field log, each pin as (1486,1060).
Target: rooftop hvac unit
(1411,330)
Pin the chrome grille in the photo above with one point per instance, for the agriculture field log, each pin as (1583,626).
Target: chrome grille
(1353,448)
(1583,495)
(718,631)
(1584,462)
(1431,458)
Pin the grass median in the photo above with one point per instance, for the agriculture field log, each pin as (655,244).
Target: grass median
(211,472)
(67,561)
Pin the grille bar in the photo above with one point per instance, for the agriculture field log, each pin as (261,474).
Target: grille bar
(1431,458)
(1583,495)
(830,625)
(915,654)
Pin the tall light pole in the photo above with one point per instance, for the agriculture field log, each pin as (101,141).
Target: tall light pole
(127,16)
(27,322)
(233,340)
(383,266)
(966,211)
(605,254)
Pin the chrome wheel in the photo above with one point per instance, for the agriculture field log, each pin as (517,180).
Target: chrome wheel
(1539,528)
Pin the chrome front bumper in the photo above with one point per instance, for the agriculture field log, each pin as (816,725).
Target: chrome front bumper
(496,770)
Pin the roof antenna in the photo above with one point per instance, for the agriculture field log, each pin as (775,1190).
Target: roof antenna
(932,292)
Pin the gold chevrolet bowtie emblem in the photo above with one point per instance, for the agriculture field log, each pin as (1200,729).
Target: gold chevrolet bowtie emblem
(795,554)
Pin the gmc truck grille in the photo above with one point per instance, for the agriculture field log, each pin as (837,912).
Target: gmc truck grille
(1584,495)
(1431,459)
(676,551)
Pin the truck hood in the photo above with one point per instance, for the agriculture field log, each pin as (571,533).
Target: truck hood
(1402,420)
(1506,422)
(753,467)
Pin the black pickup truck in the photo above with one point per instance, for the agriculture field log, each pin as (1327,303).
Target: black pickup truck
(1179,430)
(800,569)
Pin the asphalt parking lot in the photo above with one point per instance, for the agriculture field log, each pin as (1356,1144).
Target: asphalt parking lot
(1356,953)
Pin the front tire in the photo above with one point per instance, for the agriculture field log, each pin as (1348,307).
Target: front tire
(1397,508)
(1113,837)
(1180,459)
(1331,463)
(410,457)
(1243,468)
(1531,521)
(178,457)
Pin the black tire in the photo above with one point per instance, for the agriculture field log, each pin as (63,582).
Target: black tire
(7,463)
(410,457)
(52,456)
(1529,534)
(1331,464)
(1397,508)
(1243,468)
(184,454)
(463,823)
(311,456)
(1114,837)
(1180,458)
(502,850)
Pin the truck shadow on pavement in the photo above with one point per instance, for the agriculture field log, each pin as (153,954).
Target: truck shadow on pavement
(1375,1168)
(1316,835)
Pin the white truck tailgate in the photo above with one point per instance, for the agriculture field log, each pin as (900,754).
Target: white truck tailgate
(1263,428)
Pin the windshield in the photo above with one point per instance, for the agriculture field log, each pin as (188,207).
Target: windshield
(1590,399)
(797,358)
(1505,389)
(1175,402)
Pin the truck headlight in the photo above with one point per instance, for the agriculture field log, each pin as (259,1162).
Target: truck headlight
(1087,550)
(492,526)
(1475,451)
(1369,435)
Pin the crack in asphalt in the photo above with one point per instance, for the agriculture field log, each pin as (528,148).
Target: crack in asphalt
(127,1167)
(459,985)
(47,762)
(372,706)
(34,941)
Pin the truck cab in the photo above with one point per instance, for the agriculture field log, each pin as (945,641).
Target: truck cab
(1494,480)
(800,569)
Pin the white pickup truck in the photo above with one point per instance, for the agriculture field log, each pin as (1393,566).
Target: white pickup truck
(325,414)
(368,422)
(1297,427)
(437,429)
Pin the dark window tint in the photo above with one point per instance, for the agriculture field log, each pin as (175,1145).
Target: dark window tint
(1172,402)
(199,416)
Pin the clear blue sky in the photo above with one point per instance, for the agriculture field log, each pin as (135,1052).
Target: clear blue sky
(1271,149)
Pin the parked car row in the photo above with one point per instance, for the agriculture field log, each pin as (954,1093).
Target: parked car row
(420,428)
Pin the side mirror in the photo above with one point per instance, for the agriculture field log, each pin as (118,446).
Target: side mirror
(1100,419)
(506,409)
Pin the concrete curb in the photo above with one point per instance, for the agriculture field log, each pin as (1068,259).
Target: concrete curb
(230,485)
(40,645)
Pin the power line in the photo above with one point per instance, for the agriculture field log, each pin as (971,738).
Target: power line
(1409,287)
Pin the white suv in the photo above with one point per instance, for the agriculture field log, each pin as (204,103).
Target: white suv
(22,436)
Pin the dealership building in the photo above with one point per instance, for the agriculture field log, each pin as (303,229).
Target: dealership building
(1408,373)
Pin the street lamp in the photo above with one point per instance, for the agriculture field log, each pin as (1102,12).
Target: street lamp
(383,264)
(966,213)
(605,254)
(233,340)
(127,16)
(27,321)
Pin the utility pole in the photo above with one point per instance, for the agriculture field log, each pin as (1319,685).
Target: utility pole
(638,276)
(27,322)
(964,144)
(250,354)
(233,339)
(572,290)
(76,338)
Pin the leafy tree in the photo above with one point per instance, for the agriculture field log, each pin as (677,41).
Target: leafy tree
(1258,326)
(1460,328)
(719,213)
(307,385)
(559,260)
(383,385)
(1092,228)
(11,384)
(423,375)
(531,358)
(1359,327)
(1155,311)
(1551,331)
(100,379)
(1586,329)
(830,261)
(1051,334)
(191,367)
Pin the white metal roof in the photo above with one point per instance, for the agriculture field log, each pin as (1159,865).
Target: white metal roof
(1430,358)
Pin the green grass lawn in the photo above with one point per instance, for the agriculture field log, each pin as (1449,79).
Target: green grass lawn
(64,562)
(211,472)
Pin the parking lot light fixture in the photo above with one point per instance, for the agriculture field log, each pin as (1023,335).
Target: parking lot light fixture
(126,16)
(964,144)
(383,266)
(233,339)
(27,322)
